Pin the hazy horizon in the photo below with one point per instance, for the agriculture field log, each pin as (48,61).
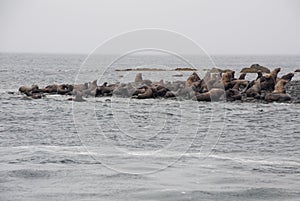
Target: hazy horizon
(220,28)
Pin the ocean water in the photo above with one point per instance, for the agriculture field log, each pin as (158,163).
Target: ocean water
(127,149)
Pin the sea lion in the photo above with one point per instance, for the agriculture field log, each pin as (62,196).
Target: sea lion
(139,90)
(50,89)
(254,68)
(237,84)
(28,89)
(231,72)
(147,93)
(192,78)
(259,75)
(58,89)
(159,91)
(203,87)
(226,77)
(64,88)
(288,76)
(274,73)
(280,86)
(278,97)
(260,68)
(248,70)
(254,90)
(225,82)
(233,94)
(105,90)
(214,94)
(242,76)
(297,70)
(199,86)
(268,81)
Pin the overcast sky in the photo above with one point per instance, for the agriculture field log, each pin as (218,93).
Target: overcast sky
(219,26)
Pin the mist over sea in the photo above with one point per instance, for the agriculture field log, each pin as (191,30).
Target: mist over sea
(142,149)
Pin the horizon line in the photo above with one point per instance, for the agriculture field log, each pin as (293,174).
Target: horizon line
(212,54)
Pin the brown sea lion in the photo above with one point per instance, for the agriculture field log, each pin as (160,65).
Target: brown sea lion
(254,68)
(242,76)
(226,77)
(237,84)
(260,68)
(214,94)
(199,86)
(248,70)
(159,91)
(192,78)
(105,89)
(231,72)
(64,88)
(268,81)
(278,97)
(50,89)
(280,86)
(259,75)
(91,89)
(288,76)
(233,94)
(147,93)
(254,90)
(138,91)
(274,73)
(28,89)
(225,82)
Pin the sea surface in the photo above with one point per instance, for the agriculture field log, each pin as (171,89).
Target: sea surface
(127,149)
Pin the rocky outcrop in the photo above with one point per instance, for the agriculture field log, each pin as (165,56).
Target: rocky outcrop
(217,85)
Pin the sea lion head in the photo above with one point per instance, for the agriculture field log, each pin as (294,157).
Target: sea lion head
(288,76)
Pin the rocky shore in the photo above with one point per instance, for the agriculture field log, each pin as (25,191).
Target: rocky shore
(216,85)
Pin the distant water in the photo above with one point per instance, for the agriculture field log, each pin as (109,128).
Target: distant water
(179,150)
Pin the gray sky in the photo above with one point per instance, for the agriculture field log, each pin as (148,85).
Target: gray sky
(219,26)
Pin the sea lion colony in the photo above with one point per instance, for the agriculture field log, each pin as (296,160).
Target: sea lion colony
(216,85)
